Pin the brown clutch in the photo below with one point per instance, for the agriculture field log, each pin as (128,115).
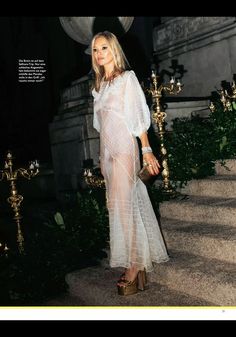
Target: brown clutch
(145,175)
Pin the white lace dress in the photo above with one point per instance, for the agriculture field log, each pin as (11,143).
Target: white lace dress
(120,115)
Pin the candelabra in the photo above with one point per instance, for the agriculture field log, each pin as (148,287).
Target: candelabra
(4,249)
(226,99)
(93,179)
(15,199)
(159,117)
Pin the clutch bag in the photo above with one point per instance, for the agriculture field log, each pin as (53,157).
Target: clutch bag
(145,175)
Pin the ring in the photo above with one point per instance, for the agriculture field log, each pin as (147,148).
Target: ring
(149,164)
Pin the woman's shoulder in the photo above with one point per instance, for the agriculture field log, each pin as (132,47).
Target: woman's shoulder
(129,73)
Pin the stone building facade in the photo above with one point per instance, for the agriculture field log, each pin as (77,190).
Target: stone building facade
(205,47)
(73,138)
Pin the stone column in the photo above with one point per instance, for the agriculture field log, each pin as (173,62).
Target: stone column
(73,138)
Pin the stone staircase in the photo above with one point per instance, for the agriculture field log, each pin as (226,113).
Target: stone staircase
(200,232)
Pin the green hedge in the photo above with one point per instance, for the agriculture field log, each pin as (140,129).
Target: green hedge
(55,244)
(196,143)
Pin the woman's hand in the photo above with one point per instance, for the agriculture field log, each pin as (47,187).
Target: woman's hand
(152,163)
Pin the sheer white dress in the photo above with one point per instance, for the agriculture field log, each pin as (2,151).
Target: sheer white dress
(120,115)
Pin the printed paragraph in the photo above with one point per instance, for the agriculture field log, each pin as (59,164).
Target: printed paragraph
(31,71)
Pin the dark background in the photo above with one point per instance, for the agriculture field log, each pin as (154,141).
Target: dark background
(28,108)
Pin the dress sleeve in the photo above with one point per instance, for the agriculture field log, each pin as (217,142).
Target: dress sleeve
(96,123)
(136,110)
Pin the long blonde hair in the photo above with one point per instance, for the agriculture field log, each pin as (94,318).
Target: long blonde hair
(120,61)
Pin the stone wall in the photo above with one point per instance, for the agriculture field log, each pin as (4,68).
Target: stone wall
(73,138)
(185,109)
(204,46)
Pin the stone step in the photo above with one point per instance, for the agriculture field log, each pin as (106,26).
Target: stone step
(96,286)
(209,279)
(207,240)
(228,169)
(207,210)
(64,299)
(215,186)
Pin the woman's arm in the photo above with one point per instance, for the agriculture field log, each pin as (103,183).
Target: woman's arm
(148,157)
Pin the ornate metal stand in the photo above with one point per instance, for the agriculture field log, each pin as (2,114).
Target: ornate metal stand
(159,117)
(15,199)
(4,249)
(226,99)
(92,179)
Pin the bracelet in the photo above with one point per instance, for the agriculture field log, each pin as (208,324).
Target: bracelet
(147,149)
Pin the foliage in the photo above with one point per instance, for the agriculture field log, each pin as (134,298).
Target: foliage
(196,143)
(190,148)
(57,244)
(224,128)
(89,221)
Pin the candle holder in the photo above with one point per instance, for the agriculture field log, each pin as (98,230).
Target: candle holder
(159,117)
(16,199)
(4,249)
(226,99)
(93,178)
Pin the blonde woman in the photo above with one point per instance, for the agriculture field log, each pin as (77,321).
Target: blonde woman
(120,115)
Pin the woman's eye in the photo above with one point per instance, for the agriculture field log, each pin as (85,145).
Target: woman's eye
(94,50)
(103,48)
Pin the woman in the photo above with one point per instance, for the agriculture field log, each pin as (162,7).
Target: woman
(120,115)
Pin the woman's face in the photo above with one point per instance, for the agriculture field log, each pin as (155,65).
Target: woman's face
(102,52)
